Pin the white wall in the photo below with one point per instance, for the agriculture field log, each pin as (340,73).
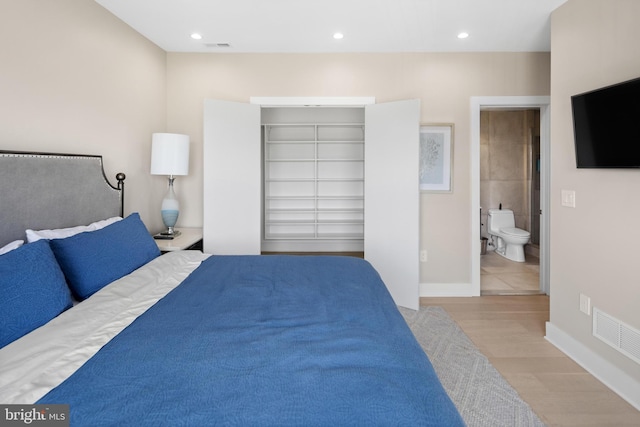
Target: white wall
(594,247)
(74,79)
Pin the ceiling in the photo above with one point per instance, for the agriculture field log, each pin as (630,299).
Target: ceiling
(368,25)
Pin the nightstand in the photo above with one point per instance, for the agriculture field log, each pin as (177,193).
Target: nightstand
(189,239)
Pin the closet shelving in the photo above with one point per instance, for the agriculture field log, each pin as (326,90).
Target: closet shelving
(314,181)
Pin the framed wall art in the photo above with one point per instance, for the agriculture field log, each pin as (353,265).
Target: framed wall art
(436,158)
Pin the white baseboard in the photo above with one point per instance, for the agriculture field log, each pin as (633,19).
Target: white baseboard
(614,378)
(446,290)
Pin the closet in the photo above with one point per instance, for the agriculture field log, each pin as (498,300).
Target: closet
(313,175)
(318,175)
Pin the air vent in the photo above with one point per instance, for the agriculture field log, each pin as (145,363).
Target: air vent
(618,335)
(218,45)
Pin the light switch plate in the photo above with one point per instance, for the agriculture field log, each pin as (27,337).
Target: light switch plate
(569,198)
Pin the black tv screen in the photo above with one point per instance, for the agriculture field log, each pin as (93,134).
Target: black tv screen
(606,126)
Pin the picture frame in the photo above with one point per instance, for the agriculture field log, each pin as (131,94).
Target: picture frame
(436,158)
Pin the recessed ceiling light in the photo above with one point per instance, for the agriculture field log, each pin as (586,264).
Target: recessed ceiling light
(463,35)
(196,36)
(338,36)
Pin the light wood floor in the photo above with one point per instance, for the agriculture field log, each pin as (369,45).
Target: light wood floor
(510,331)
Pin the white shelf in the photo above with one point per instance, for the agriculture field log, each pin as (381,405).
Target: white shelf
(310,124)
(333,174)
(311,236)
(328,141)
(314,160)
(318,210)
(311,221)
(313,197)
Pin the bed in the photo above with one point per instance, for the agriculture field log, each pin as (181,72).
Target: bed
(125,336)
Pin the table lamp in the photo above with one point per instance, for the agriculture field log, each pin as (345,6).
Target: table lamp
(170,156)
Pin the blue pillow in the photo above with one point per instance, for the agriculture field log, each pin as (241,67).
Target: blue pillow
(92,260)
(32,290)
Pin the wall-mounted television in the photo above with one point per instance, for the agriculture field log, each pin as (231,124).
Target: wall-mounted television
(606,126)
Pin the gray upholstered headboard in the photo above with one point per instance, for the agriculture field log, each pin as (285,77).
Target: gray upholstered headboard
(44,191)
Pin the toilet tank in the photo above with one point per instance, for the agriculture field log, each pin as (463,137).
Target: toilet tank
(500,218)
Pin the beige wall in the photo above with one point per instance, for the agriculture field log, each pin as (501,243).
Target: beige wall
(594,247)
(74,79)
(443,82)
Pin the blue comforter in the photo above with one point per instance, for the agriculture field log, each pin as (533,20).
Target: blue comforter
(263,340)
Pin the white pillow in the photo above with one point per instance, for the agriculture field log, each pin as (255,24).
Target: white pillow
(61,233)
(103,223)
(11,246)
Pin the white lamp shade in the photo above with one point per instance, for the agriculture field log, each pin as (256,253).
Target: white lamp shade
(169,154)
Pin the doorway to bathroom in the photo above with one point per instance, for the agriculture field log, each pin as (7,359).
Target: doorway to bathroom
(535,110)
(510,180)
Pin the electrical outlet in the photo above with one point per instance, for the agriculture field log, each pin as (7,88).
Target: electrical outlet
(423,255)
(585,304)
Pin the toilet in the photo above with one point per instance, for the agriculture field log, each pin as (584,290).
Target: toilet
(510,240)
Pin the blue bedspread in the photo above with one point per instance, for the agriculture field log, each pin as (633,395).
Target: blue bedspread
(263,340)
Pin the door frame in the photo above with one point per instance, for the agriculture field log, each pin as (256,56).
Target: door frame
(482,102)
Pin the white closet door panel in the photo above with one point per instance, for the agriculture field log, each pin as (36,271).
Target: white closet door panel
(232,178)
(391,225)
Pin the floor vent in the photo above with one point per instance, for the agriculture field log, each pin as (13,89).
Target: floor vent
(618,335)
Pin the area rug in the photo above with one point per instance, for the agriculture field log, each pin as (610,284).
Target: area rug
(483,397)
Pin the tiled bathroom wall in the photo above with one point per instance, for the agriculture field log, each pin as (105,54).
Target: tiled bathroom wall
(508,165)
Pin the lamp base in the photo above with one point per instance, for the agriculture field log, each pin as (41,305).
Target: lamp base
(170,211)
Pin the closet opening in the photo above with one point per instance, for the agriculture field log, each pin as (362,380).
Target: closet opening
(313,180)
